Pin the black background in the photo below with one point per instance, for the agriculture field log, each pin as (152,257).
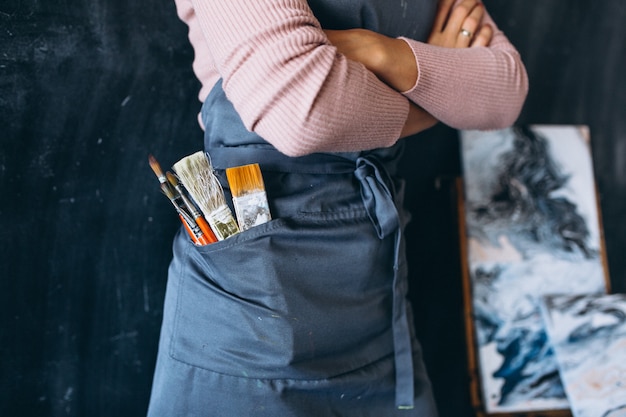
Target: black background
(89,88)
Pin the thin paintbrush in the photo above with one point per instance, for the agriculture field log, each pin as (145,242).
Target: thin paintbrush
(196,234)
(249,197)
(195,213)
(172,193)
(156,167)
(196,174)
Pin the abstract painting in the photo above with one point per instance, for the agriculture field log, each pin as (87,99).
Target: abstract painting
(588,335)
(531,228)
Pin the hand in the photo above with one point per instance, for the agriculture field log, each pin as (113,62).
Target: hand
(390,59)
(460,26)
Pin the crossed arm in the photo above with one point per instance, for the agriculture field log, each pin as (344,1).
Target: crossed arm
(307,90)
(392,59)
(458,25)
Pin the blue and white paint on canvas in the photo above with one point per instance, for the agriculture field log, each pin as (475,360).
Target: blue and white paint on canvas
(588,335)
(532,229)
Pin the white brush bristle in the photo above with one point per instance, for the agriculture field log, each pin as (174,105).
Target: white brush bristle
(196,174)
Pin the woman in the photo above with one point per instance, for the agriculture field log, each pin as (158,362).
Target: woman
(306,315)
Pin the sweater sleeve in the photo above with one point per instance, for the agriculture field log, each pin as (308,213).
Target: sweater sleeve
(289,84)
(470,88)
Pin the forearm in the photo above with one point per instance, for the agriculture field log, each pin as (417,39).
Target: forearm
(470,88)
(470,75)
(290,86)
(467,82)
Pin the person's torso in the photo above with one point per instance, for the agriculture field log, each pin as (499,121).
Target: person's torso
(410,18)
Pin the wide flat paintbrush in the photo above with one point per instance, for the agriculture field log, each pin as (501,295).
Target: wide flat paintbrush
(249,197)
(196,174)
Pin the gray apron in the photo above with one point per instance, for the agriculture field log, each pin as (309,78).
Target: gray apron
(305,315)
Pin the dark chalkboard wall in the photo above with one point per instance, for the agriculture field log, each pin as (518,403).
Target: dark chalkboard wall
(89,88)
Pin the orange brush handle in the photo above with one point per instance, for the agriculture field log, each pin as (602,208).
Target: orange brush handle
(206,229)
(202,240)
(197,234)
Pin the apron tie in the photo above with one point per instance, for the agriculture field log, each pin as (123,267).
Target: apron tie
(378,198)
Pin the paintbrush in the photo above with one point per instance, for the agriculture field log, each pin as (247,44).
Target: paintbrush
(166,188)
(196,174)
(249,197)
(156,167)
(187,212)
(195,233)
(193,210)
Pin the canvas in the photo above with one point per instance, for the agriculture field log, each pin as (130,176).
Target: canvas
(531,228)
(588,335)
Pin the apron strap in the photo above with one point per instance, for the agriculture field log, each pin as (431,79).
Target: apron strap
(378,196)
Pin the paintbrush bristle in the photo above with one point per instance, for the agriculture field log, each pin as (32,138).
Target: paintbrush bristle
(245,179)
(171,178)
(249,199)
(172,196)
(154,164)
(167,191)
(196,174)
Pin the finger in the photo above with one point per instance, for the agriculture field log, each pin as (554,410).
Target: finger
(471,24)
(443,12)
(473,20)
(483,37)
(458,15)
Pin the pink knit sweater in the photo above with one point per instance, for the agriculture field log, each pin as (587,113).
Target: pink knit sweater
(290,86)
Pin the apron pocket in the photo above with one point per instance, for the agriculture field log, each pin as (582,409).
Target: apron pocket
(295,298)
